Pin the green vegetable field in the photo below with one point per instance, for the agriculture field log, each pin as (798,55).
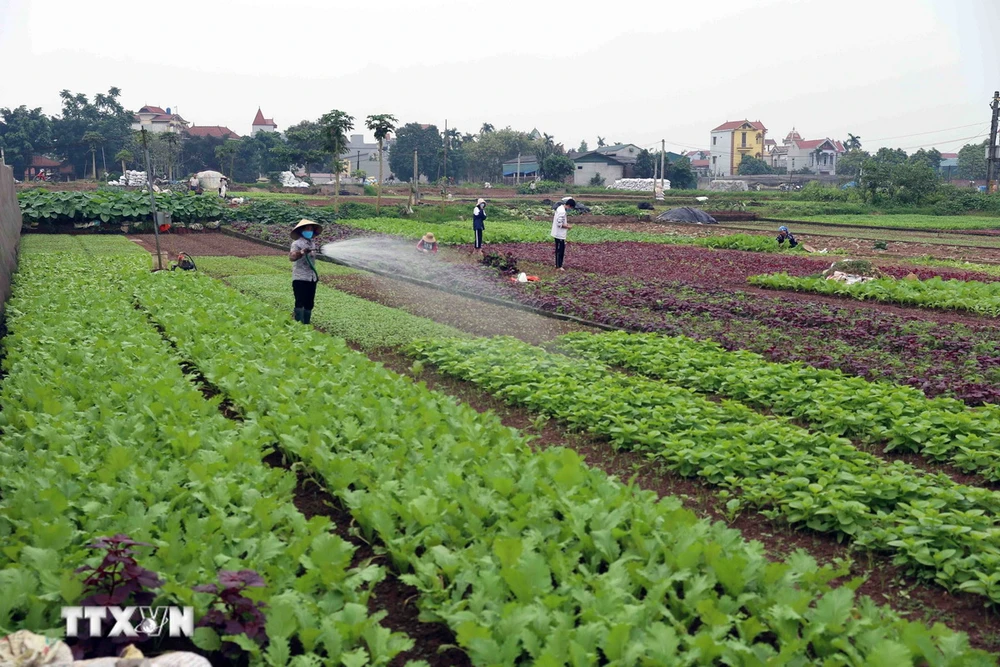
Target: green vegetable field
(185,414)
(977,297)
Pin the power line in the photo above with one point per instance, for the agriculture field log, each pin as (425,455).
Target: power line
(917,134)
(946,142)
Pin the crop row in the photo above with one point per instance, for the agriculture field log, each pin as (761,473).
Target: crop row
(700,266)
(103,434)
(935,527)
(982,298)
(114,206)
(498,232)
(528,556)
(873,412)
(953,359)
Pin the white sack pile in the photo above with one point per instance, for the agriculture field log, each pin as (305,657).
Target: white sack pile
(130,178)
(288,180)
(639,184)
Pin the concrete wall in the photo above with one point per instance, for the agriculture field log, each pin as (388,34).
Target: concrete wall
(10,232)
(585,171)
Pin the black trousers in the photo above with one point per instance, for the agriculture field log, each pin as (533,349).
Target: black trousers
(560,252)
(479,238)
(305,293)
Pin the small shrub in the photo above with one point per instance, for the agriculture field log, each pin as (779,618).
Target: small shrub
(231,612)
(505,264)
(117,581)
(596,181)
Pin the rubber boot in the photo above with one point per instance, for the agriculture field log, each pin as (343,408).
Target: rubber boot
(306,315)
(299,314)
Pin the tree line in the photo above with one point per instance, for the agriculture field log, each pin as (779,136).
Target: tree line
(94,135)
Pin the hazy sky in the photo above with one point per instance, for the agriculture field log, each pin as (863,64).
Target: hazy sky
(631,72)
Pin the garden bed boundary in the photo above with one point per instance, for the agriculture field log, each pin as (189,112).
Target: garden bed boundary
(10,233)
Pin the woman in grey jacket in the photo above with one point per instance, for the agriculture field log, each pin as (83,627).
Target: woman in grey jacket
(304,276)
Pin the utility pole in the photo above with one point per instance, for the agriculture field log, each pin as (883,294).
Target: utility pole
(517,176)
(359,161)
(991,158)
(152,202)
(445,155)
(416,179)
(663,156)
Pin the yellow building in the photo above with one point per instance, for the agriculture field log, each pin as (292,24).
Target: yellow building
(731,142)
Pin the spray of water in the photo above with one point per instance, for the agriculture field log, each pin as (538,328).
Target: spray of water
(400,259)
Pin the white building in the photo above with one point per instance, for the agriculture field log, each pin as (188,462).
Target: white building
(156,120)
(819,156)
(261,124)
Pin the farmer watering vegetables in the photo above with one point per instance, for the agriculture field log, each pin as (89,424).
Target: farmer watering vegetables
(783,235)
(304,276)
(479,223)
(427,243)
(559,227)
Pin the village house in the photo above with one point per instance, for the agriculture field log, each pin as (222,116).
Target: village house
(45,168)
(526,167)
(608,162)
(731,142)
(157,120)
(819,156)
(949,166)
(261,124)
(218,131)
(700,161)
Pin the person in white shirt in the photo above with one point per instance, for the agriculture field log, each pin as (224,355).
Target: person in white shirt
(559,228)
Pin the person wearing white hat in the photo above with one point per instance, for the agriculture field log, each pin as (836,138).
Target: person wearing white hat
(479,223)
(304,276)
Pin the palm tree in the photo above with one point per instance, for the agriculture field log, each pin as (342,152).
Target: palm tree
(486,128)
(93,139)
(381,124)
(853,142)
(600,142)
(123,156)
(172,140)
(335,126)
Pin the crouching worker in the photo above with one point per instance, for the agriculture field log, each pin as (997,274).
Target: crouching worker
(183,262)
(304,276)
(785,235)
(427,243)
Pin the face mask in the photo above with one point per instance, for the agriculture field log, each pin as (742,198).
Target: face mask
(307,234)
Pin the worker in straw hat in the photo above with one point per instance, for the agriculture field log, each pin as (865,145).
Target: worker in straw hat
(304,276)
(479,223)
(427,243)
